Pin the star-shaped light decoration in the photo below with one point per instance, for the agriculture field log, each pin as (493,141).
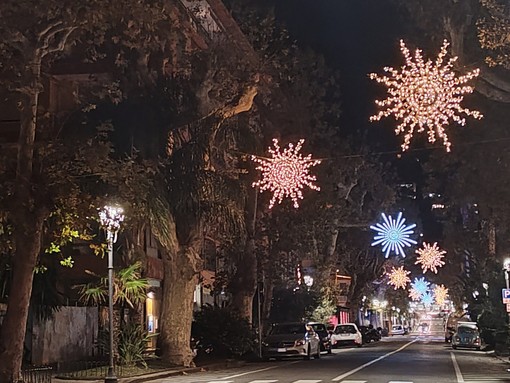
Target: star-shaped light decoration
(430,257)
(414,294)
(398,278)
(420,285)
(286,173)
(425,94)
(393,235)
(440,294)
(427,299)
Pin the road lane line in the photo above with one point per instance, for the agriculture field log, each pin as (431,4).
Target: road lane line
(340,377)
(460,378)
(354,381)
(307,381)
(263,381)
(260,370)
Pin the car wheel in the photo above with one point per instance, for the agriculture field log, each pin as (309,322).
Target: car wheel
(454,347)
(318,355)
(330,351)
(359,345)
(478,349)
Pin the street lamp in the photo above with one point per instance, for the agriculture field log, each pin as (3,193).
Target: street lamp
(110,218)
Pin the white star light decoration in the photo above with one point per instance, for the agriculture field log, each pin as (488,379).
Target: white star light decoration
(414,294)
(430,257)
(425,94)
(398,278)
(286,173)
(393,235)
(440,294)
(419,286)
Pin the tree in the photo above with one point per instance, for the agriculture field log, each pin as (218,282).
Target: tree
(32,38)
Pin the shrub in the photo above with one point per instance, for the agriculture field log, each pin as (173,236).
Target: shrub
(224,330)
(132,345)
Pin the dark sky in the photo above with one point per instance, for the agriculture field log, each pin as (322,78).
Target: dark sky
(355,36)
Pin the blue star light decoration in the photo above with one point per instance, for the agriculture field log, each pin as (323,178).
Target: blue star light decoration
(420,285)
(393,235)
(427,299)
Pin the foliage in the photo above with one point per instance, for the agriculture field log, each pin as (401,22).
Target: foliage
(225,330)
(132,344)
(128,288)
(292,305)
(325,309)
(493,31)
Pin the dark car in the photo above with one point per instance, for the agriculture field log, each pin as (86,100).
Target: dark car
(325,338)
(369,334)
(291,339)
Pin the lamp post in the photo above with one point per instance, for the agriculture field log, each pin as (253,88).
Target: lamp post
(110,218)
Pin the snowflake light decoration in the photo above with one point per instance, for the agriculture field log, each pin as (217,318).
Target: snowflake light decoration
(398,278)
(440,294)
(420,285)
(427,299)
(425,94)
(393,235)
(414,294)
(430,257)
(286,173)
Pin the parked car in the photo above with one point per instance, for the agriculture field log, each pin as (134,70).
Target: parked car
(291,339)
(467,336)
(397,329)
(324,336)
(347,333)
(369,334)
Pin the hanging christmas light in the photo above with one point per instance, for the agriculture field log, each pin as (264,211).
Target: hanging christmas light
(427,299)
(398,278)
(393,235)
(414,294)
(430,257)
(440,294)
(425,94)
(286,173)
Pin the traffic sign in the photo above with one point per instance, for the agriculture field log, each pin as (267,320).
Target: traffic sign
(508,307)
(506,295)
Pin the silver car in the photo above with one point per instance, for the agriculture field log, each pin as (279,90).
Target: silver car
(291,339)
(468,337)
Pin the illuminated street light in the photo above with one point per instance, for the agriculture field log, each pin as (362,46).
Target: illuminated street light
(110,218)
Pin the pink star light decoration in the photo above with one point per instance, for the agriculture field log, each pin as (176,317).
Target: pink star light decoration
(430,257)
(398,277)
(286,173)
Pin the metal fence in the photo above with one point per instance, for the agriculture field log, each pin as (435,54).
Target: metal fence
(86,369)
(37,374)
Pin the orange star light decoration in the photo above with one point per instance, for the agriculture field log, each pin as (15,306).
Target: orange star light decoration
(430,257)
(286,173)
(440,294)
(398,277)
(414,294)
(425,94)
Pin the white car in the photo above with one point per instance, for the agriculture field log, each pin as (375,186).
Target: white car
(397,329)
(346,333)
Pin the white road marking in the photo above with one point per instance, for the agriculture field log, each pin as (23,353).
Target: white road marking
(340,377)
(260,370)
(398,381)
(263,381)
(307,381)
(460,378)
(221,381)
(354,381)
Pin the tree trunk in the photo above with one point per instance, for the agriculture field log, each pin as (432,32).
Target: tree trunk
(177,306)
(12,335)
(28,219)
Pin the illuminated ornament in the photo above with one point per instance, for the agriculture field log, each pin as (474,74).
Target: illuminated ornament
(427,299)
(398,278)
(286,173)
(393,235)
(440,294)
(414,294)
(420,285)
(430,257)
(425,94)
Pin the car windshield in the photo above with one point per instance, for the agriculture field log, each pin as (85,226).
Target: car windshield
(345,329)
(318,327)
(288,329)
(467,330)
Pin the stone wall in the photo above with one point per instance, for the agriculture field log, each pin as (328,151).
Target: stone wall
(69,336)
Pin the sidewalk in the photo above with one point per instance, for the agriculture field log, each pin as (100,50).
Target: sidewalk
(175,371)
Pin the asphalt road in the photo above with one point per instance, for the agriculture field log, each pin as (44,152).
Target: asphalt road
(400,359)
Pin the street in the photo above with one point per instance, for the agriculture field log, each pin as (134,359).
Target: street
(400,359)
